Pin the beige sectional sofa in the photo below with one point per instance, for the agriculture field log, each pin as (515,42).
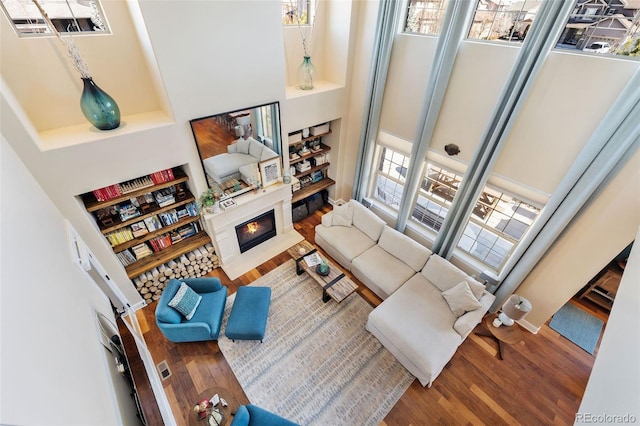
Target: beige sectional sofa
(430,306)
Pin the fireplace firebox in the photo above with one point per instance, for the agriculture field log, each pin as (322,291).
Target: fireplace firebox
(256,231)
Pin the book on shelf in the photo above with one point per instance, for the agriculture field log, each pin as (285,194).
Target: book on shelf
(128,211)
(169,217)
(135,184)
(160,242)
(107,193)
(120,236)
(141,250)
(138,229)
(162,176)
(126,258)
(164,197)
(152,223)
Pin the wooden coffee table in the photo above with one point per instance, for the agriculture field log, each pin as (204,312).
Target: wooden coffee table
(503,334)
(335,286)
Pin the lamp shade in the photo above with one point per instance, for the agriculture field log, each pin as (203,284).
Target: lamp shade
(516,307)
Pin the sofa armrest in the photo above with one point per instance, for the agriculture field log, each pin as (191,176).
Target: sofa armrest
(204,284)
(186,331)
(469,320)
(327,219)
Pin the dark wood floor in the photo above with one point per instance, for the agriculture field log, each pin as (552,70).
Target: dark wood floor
(540,381)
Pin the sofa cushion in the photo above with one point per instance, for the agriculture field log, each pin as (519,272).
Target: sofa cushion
(243,146)
(232,148)
(416,325)
(381,272)
(185,301)
(460,299)
(404,248)
(343,243)
(267,154)
(367,221)
(342,215)
(443,274)
(165,313)
(255,148)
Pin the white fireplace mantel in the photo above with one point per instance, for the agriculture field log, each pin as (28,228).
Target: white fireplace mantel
(221,227)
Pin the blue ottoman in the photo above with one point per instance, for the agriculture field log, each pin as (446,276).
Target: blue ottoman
(248,317)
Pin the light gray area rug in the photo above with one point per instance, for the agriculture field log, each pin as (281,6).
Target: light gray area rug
(318,364)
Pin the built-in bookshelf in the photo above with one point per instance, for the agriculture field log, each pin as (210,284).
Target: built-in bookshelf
(309,158)
(149,220)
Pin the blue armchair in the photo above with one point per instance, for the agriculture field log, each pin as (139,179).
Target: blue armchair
(252,415)
(205,323)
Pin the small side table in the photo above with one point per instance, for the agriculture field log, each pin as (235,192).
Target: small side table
(502,335)
(208,394)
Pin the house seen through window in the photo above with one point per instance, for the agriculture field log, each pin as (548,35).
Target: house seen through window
(68,16)
(296,12)
(595,26)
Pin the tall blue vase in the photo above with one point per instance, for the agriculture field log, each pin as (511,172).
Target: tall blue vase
(98,107)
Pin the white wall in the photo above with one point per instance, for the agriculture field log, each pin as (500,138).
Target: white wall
(52,365)
(614,383)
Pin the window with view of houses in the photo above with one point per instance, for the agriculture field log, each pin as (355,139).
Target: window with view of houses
(497,223)
(67,16)
(596,26)
(296,12)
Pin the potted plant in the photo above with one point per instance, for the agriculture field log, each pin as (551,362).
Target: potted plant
(209,201)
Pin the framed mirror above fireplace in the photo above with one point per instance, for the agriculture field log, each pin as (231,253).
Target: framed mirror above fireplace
(232,144)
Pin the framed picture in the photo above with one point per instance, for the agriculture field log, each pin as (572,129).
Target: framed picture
(270,171)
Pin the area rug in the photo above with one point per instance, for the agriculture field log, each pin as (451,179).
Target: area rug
(318,365)
(579,326)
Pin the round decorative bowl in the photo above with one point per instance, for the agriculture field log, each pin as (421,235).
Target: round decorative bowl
(322,269)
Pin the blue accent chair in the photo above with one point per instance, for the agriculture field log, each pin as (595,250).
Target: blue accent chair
(252,415)
(205,323)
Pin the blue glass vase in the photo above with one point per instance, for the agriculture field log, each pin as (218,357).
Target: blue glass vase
(306,74)
(98,107)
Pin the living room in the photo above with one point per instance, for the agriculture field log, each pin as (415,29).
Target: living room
(174,76)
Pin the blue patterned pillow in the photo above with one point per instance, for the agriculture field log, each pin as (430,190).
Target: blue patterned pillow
(185,301)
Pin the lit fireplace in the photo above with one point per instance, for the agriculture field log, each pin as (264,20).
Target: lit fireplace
(256,231)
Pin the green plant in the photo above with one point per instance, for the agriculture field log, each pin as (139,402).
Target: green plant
(208,198)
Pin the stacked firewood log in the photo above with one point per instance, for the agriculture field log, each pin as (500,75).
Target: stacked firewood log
(194,264)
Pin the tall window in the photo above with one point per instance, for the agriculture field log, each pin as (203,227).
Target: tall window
(296,12)
(68,16)
(603,27)
(390,176)
(425,17)
(496,225)
(503,20)
(436,193)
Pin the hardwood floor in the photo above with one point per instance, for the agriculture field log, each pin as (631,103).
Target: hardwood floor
(540,381)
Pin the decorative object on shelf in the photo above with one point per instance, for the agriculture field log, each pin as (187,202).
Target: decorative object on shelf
(306,74)
(305,132)
(306,71)
(98,107)
(209,201)
(286,178)
(515,308)
(270,171)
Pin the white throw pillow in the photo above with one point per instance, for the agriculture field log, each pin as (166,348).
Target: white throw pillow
(243,146)
(233,148)
(342,215)
(476,288)
(461,299)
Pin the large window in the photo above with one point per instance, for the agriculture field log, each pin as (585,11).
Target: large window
(390,176)
(296,12)
(68,16)
(503,19)
(425,17)
(496,225)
